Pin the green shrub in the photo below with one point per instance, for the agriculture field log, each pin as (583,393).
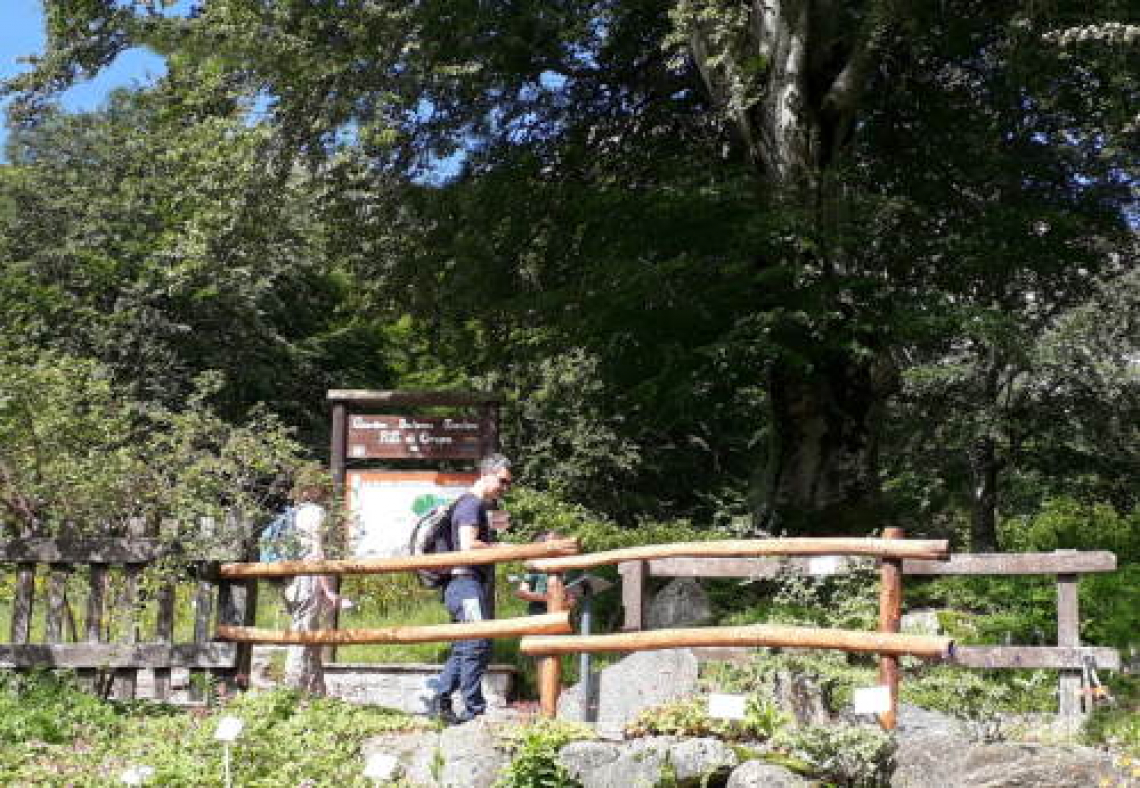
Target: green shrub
(847,754)
(286,741)
(833,672)
(1067,524)
(49,708)
(535,748)
(690,717)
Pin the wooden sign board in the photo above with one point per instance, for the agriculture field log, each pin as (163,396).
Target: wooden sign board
(415,437)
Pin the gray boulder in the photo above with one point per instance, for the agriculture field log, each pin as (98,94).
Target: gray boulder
(641,680)
(472,755)
(681,603)
(759,774)
(935,751)
(417,752)
(803,697)
(647,762)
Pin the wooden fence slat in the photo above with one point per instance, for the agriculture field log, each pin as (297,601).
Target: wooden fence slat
(890,612)
(22,602)
(549,623)
(1049,657)
(126,679)
(370,566)
(93,622)
(203,612)
(1068,634)
(771,635)
(53,618)
(164,634)
(119,656)
(633,594)
(734,548)
(1015,564)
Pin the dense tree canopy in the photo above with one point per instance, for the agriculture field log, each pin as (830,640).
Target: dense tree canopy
(822,262)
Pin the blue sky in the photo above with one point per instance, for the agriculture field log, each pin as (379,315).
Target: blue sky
(22,34)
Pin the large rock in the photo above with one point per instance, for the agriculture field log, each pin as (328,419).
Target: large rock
(760,774)
(648,761)
(681,603)
(462,756)
(417,752)
(641,680)
(472,755)
(803,697)
(935,750)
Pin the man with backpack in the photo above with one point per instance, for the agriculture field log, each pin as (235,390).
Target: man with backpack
(467,592)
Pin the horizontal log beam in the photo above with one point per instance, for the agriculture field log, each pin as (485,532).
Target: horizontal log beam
(547,624)
(756,635)
(375,566)
(115,655)
(368,397)
(1015,564)
(735,548)
(43,550)
(1055,657)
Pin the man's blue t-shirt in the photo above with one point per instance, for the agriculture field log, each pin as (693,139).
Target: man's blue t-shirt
(470,509)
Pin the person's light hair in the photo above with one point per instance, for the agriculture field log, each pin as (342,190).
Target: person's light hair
(493,463)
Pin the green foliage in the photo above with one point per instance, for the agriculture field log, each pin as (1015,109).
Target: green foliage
(323,744)
(1064,523)
(832,672)
(79,456)
(848,754)
(47,708)
(1022,610)
(978,696)
(534,748)
(690,717)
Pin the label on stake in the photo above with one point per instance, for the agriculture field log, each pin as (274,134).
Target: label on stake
(871,700)
(727,707)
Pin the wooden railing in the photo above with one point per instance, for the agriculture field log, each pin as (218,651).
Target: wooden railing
(555,622)
(78,604)
(887,643)
(1067,656)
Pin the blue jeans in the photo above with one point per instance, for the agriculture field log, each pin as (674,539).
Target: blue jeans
(466,600)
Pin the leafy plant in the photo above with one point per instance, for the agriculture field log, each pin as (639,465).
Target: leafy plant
(851,755)
(535,747)
(691,718)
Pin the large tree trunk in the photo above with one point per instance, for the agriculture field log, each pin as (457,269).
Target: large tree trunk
(821,471)
(794,117)
(984,466)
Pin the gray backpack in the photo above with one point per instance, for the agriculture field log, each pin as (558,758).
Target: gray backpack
(432,534)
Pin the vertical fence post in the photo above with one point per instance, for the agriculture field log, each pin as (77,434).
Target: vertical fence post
(550,667)
(633,594)
(1068,634)
(890,612)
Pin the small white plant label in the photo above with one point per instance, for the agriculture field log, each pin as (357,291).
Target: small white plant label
(727,707)
(871,700)
(229,728)
(821,565)
(137,775)
(380,767)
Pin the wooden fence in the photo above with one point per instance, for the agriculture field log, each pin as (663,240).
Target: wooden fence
(1067,566)
(79,604)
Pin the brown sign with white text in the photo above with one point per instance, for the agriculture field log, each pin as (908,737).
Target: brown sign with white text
(412,437)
